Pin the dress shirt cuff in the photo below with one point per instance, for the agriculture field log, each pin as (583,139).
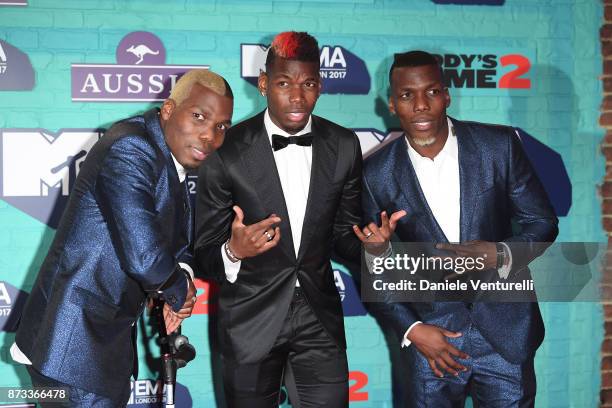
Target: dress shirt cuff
(369,258)
(187,269)
(18,356)
(504,271)
(405,341)
(231,268)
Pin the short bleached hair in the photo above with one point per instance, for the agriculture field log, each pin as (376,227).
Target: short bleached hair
(204,77)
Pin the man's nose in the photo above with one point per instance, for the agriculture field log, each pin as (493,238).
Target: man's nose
(206,135)
(296,94)
(421,103)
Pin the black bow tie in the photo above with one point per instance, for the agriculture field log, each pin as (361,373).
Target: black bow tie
(280,142)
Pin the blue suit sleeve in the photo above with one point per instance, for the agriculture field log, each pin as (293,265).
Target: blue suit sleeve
(399,315)
(531,209)
(125,189)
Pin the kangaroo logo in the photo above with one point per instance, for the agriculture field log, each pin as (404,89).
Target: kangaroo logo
(140,51)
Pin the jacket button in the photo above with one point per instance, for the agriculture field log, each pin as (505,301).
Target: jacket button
(172,299)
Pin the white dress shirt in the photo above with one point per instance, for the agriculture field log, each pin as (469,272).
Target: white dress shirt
(439,181)
(18,356)
(293,164)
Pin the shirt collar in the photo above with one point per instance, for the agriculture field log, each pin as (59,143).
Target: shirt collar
(272,129)
(449,149)
(182,173)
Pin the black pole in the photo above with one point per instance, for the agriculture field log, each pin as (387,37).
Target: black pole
(169,365)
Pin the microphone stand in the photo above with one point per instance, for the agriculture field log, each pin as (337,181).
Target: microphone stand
(169,366)
(175,349)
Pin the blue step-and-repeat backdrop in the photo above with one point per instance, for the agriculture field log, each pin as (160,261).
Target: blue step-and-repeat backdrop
(70,68)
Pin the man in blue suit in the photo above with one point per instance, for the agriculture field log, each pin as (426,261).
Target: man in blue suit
(458,182)
(125,233)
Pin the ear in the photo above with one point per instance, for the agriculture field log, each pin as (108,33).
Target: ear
(391,106)
(167,109)
(447,97)
(262,83)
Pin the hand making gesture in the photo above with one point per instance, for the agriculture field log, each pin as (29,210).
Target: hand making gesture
(251,240)
(376,238)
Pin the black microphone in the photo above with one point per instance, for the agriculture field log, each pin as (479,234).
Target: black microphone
(183,352)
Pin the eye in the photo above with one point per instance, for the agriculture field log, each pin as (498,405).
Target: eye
(434,92)
(310,84)
(222,127)
(405,95)
(282,84)
(198,116)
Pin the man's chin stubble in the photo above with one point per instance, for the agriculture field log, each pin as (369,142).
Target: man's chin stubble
(423,142)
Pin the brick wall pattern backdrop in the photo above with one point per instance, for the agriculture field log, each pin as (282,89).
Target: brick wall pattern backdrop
(534,64)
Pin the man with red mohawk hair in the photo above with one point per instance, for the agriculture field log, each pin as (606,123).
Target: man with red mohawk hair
(272,204)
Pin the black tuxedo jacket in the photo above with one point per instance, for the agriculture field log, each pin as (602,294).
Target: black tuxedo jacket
(243,172)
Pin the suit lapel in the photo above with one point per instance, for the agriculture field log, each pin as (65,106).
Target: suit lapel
(188,213)
(257,156)
(323,167)
(470,174)
(184,222)
(178,191)
(407,182)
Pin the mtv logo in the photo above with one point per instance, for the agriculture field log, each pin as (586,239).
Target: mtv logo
(342,72)
(40,185)
(53,159)
(252,61)
(373,139)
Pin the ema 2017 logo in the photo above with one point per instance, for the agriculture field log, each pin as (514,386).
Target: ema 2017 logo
(349,295)
(16,72)
(342,72)
(40,186)
(12,301)
(140,74)
(151,394)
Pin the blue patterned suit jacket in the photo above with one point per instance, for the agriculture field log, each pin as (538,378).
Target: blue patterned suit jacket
(497,186)
(126,226)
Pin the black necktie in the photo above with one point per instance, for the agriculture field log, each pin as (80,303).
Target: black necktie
(280,142)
